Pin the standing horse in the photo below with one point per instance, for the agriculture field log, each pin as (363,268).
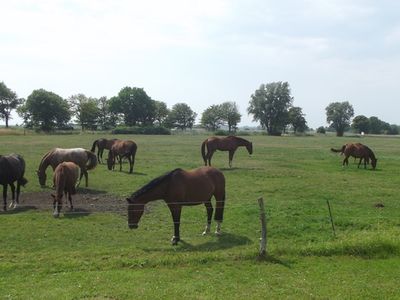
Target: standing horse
(65,178)
(122,149)
(12,168)
(179,188)
(357,150)
(85,159)
(229,143)
(101,145)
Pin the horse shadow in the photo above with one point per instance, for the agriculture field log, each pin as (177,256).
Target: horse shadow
(85,190)
(77,213)
(19,209)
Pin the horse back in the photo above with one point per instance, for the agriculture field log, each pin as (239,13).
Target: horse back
(197,185)
(65,177)
(12,168)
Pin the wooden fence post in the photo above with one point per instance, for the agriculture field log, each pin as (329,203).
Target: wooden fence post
(263,239)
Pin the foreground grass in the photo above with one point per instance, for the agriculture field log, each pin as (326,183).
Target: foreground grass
(96,256)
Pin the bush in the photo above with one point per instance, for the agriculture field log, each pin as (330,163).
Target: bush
(321,130)
(142,130)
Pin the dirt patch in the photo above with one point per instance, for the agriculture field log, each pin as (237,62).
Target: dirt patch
(85,200)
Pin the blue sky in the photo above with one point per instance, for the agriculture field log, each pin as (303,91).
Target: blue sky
(207,52)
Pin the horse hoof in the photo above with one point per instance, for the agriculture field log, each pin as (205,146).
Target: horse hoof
(56,215)
(175,241)
(218,233)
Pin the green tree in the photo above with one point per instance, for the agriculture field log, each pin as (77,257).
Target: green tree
(230,114)
(212,118)
(377,126)
(136,107)
(360,124)
(106,118)
(8,102)
(181,117)
(45,110)
(338,115)
(296,119)
(161,112)
(394,129)
(86,111)
(269,105)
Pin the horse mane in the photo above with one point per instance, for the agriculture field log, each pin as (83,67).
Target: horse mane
(370,152)
(44,158)
(153,183)
(238,138)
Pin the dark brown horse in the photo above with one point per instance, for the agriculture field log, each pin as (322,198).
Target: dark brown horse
(12,168)
(179,188)
(357,150)
(85,159)
(101,145)
(229,143)
(122,149)
(65,178)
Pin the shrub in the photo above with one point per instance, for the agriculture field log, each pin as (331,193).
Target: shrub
(142,130)
(321,129)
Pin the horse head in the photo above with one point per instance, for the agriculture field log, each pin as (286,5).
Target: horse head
(135,212)
(249,147)
(42,177)
(373,163)
(110,160)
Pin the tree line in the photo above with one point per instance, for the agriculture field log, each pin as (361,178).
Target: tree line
(271,105)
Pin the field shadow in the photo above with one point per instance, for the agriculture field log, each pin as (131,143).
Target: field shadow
(77,213)
(85,190)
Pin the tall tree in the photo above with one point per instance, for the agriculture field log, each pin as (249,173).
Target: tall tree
(135,105)
(212,118)
(85,110)
(45,110)
(377,126)
(360,124)
(161,112)
(269,105)
(106,118)
(296,119)
(230,114)
(338,116)
(8,102)
(181,117)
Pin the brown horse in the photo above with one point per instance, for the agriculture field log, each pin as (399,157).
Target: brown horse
(85,159)
(179,188)
(12,168)
(122,149)
(65,178)
(229,143)
(101,145)
(357,150)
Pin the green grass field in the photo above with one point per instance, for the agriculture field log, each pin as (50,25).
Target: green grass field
(96,256)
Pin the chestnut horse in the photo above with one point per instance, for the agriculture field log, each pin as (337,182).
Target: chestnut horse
(85,159)
(357,150)
(179,188)
(229,143)
(101,145)
(122,149)
(12,168)
(65,178)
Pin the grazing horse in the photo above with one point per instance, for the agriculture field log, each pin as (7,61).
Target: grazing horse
(357,150)
(85,159)
(179,188)
(229,143)
(122,149)
(101,145)
(65,178)
(12,168)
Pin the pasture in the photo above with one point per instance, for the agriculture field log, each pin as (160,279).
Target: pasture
(91,253)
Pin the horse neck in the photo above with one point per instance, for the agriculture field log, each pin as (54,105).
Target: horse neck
(242,142)
(371,154)
(156,193)
(45,162)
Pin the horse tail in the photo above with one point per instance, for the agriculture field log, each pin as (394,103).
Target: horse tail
(220,200)
(92,158)
(203,151)
(339,150)
(94,146)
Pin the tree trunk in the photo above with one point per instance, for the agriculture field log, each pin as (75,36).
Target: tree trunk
(6,119)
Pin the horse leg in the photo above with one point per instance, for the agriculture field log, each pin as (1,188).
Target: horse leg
(345,161)
(120,164)
(18,192)
(99,155)
(209,216)
(5,197)
(86,178)
(57,205)
(130,164)
(231,153)
(12,195)
(71,207)
(219,211)
(176,217)
(209,156)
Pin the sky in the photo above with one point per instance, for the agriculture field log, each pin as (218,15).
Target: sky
(208,52)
